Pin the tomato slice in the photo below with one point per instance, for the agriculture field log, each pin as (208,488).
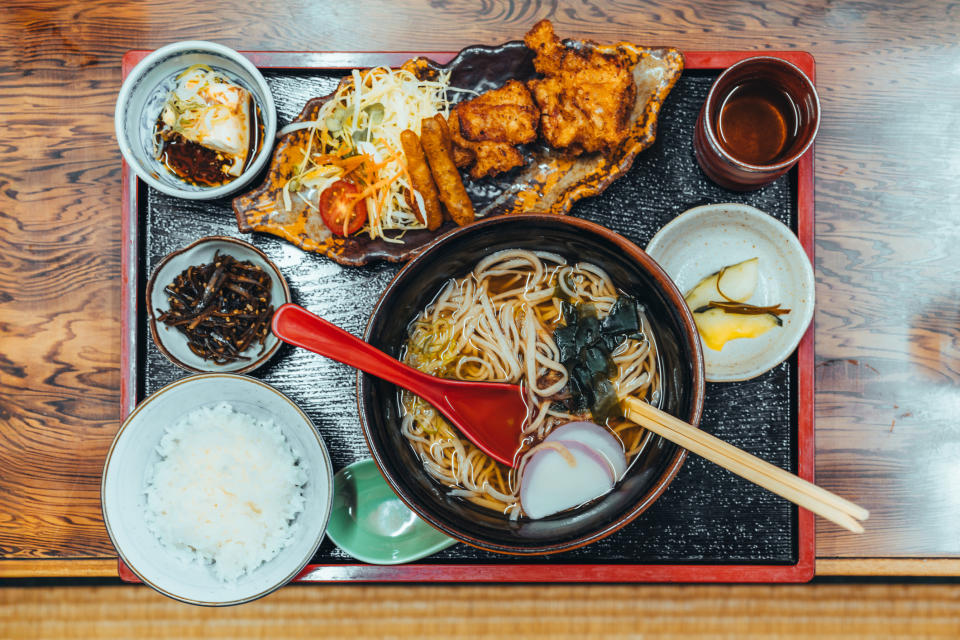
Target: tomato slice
(337,213)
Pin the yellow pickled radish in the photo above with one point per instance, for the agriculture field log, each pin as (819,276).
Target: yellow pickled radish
(717,327)
(733,284)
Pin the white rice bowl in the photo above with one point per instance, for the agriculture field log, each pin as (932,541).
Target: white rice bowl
(183,565)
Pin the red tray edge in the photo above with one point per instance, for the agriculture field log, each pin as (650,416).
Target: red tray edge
(802,571)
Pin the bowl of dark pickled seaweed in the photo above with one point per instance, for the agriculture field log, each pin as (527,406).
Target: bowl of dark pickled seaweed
(478,259)
(210,305)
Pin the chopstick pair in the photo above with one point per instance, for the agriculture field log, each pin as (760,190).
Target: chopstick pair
(747,466)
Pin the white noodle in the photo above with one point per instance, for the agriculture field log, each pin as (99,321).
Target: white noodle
(488,327)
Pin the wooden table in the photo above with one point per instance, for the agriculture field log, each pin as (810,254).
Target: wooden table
(887,229)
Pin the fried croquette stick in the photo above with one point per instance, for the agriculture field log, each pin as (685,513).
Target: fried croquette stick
(445,133)
(448,144)
(451,151)
(438,150)
(422,180)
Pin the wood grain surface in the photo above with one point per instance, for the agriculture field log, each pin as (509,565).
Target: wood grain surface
(824,612)
(887,207)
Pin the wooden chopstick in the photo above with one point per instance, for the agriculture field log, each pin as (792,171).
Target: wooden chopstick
(783,483)
(745,458)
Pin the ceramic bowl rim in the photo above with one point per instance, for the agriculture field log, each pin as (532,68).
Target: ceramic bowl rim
(672,466)
(267,110)
(275,276)
(307,422)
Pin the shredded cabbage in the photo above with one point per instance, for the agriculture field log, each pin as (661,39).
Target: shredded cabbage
(365,118)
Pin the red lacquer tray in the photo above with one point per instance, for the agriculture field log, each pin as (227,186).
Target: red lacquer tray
(490,571)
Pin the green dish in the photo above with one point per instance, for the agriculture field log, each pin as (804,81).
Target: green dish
(370,523)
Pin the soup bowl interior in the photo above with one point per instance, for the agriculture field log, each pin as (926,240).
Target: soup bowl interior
(455,255)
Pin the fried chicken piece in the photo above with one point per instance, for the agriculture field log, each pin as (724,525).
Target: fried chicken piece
(586,97)
(548,48)
(487,158)
(507,114)
(464,151)
(462,156)
(494,158)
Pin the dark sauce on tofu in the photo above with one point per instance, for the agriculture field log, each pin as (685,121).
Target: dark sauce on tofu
(195,164)
(757,122)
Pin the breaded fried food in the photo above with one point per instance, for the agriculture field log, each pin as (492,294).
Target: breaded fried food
(585,98)
(438,151)
(444,133)
(462,156)
(422,181)
(484,158)
(507,114)
(451,151)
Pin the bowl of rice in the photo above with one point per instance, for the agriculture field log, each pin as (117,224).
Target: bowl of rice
(217,490)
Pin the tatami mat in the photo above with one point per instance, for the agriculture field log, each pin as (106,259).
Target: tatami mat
(318,612)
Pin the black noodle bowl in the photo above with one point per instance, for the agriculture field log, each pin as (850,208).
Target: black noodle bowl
(455,255)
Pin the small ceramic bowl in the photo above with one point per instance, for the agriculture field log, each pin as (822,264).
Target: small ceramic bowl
(454,255)
(705,239)
(370,523)
(170,341)
(141,101)
(134,450)
(779,76)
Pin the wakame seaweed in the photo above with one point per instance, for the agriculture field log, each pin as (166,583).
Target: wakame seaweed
(585,343)
(623,318)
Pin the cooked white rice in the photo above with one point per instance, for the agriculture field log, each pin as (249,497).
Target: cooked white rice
(226,491)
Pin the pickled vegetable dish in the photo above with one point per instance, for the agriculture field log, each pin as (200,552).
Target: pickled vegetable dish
(223,308)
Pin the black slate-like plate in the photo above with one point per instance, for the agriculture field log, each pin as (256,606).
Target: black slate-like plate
(707,515)
(548,182)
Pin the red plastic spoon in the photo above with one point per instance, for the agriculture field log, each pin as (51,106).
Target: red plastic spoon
(490,414)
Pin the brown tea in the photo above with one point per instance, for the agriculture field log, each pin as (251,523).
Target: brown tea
(757,122)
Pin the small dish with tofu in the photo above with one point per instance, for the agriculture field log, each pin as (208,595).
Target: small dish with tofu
(195,120)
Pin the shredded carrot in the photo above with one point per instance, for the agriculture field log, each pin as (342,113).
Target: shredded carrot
(347,172)
(381,200)
(376,185)
(347,165)
(355,161)
(381,165)
(350,164)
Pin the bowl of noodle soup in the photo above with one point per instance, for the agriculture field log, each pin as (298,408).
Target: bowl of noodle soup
(472,306)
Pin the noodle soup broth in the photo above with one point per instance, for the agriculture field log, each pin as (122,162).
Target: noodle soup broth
(497,324)
(422,283)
